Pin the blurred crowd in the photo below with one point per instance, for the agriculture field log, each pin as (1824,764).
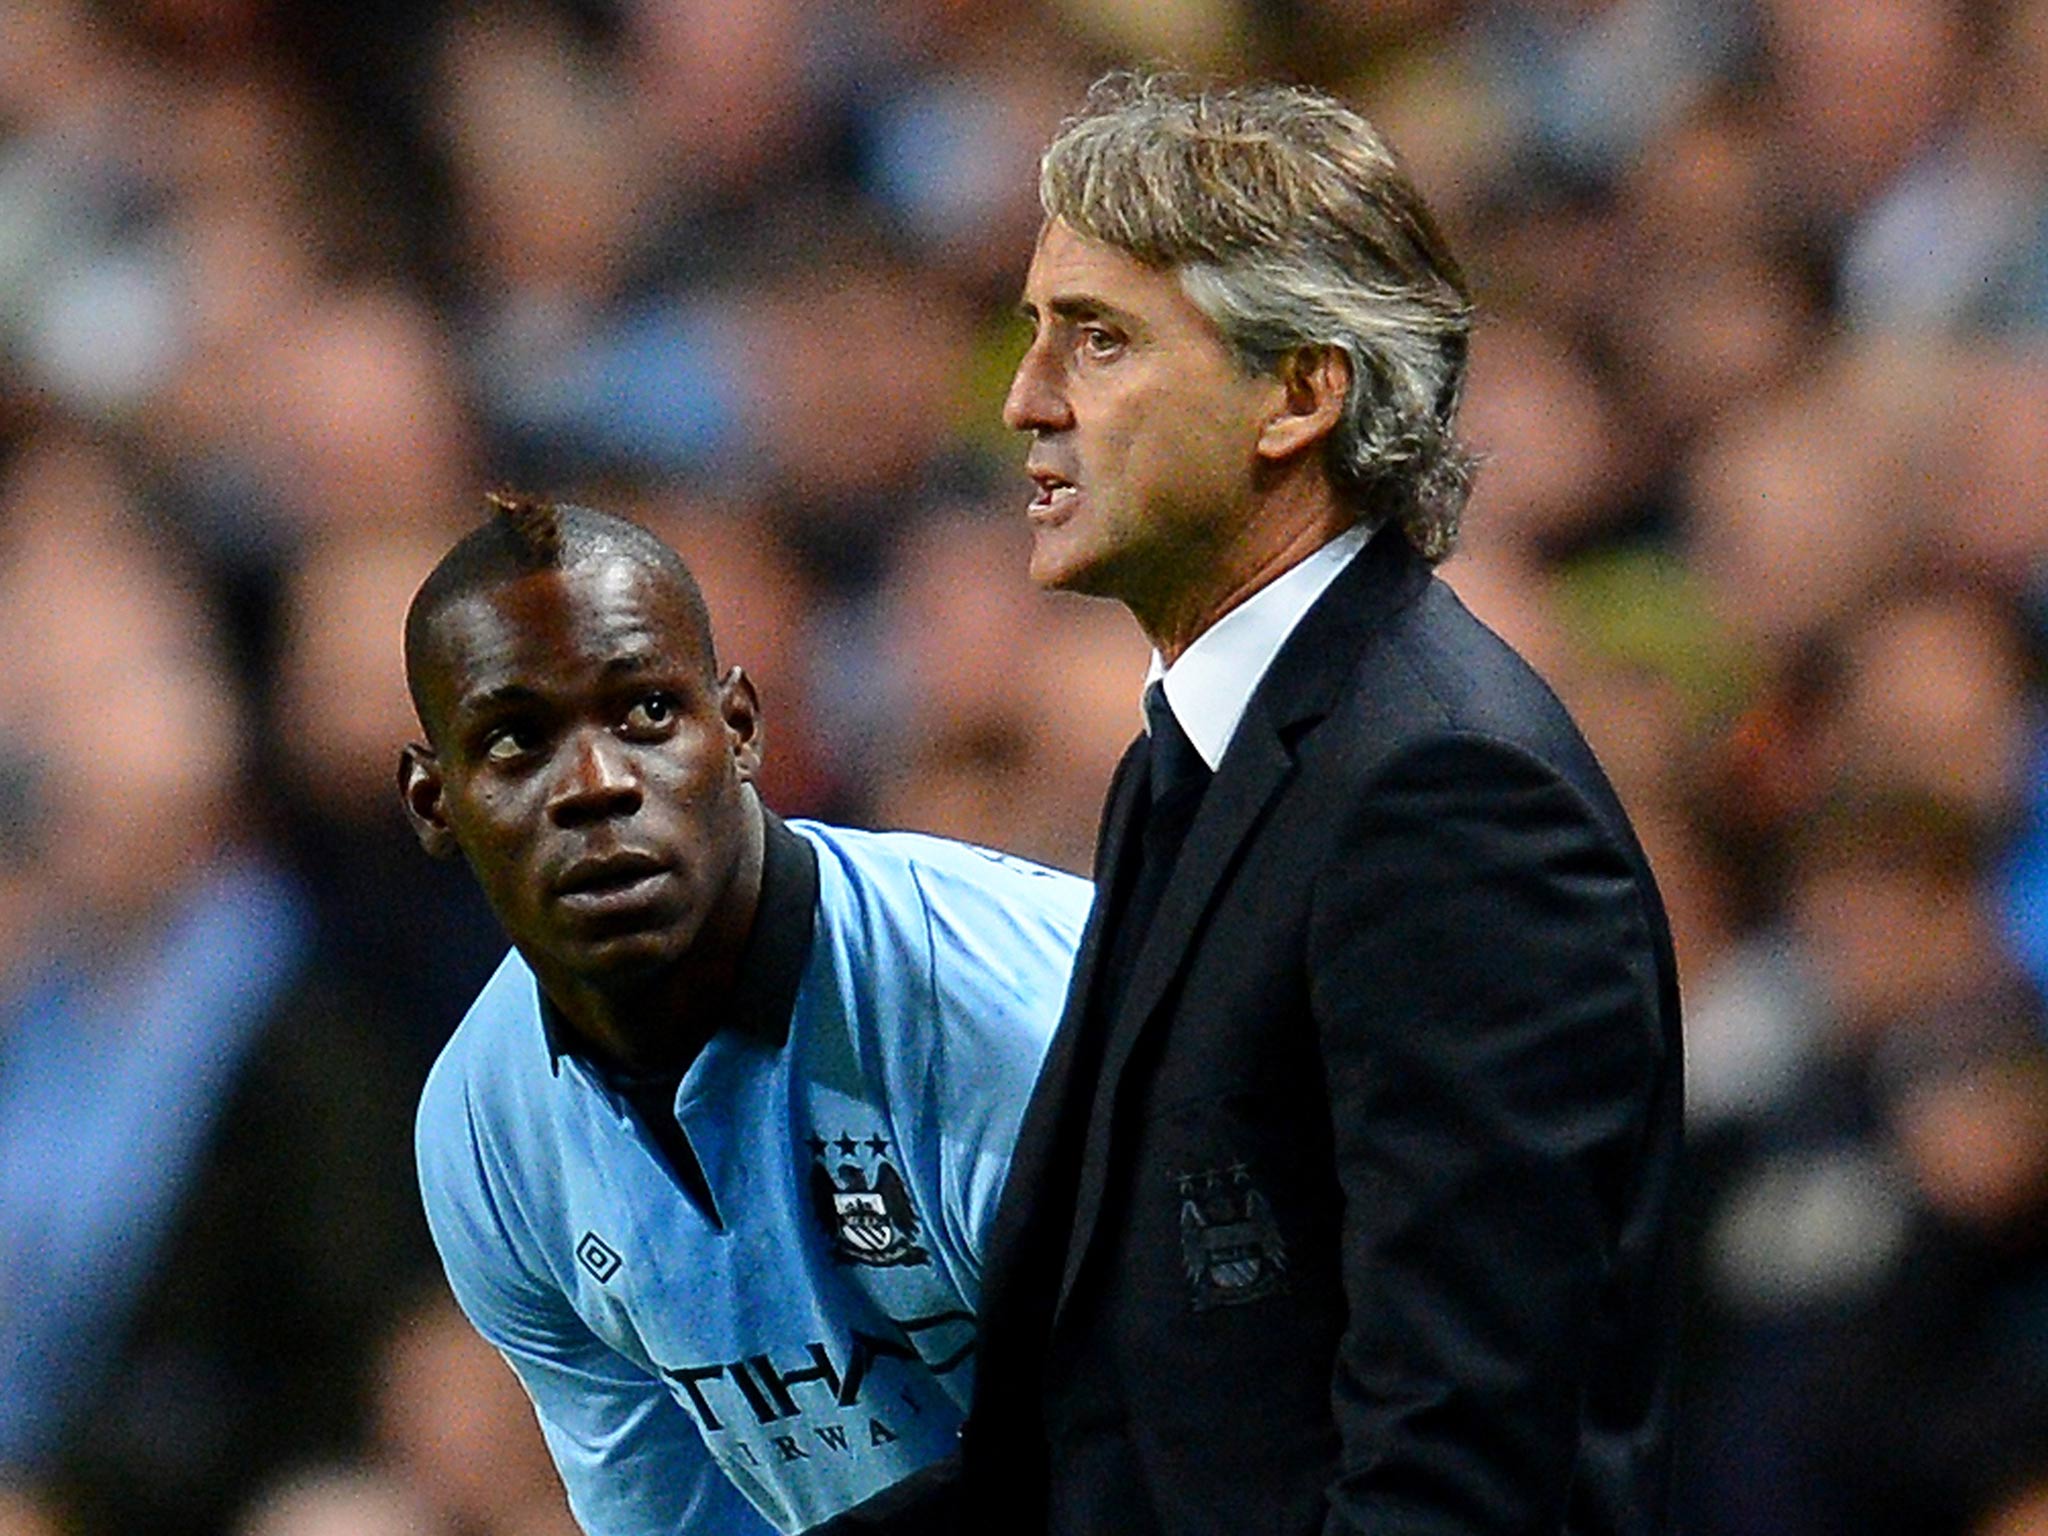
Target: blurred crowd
(1761,382)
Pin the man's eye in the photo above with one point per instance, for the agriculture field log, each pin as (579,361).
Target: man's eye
(651,713)
(505,745)
(1097,342)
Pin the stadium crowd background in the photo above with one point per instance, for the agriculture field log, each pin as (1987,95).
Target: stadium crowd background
(1762,378)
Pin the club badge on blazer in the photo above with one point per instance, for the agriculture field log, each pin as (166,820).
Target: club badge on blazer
(1230,1245)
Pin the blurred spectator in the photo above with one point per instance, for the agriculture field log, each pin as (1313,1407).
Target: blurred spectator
(1704,307)
(852,433)
(1960,237)
(727,92)
(354,414)
(768,623)
(23,1514)
(1934,699)
(1794,508)
(1558,470)
(1587,83)
(410,935)
(1957,1330)
(1986,462)
(952,152)
(1859,88)
(342,1502)
(558,180)
(454,1423)
(196,1243)
(1871,1207)
(1015,705)
(552,169)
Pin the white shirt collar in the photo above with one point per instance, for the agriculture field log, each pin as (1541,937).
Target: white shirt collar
(1213,681)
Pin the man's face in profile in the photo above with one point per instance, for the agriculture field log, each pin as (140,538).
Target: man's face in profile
(588,763)
(1145,430)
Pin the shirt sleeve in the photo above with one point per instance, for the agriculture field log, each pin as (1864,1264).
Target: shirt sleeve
(630,1457)
(1003,948)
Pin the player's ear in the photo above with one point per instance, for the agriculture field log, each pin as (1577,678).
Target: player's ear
(740,708)
(1314,382)
(419,790)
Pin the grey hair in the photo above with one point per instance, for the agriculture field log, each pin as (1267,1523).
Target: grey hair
(1294,227)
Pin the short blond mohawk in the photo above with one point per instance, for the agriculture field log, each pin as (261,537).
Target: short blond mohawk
(535,525)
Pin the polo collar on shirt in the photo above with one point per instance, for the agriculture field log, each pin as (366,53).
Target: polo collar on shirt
(772,963)
(1214,679)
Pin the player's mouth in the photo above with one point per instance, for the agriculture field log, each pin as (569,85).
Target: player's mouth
(611,882)
(1053,501)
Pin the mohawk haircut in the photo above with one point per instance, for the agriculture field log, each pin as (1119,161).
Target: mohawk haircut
(524,535)
(537,525)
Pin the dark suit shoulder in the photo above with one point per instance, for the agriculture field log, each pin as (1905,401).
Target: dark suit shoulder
(1436,672)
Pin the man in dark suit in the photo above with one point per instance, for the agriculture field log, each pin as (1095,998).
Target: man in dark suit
(1343,1202)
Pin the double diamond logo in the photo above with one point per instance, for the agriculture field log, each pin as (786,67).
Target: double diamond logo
(599,1257)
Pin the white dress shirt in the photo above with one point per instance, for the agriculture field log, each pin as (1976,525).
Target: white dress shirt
(1213,681)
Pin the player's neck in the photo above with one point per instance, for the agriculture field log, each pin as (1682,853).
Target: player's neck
(644,1031)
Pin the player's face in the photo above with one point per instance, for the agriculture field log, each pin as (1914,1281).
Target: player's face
(589,766)
(1144,429)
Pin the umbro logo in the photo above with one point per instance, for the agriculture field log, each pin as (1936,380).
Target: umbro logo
(599,1257)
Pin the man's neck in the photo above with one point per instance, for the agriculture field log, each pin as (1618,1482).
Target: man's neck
(655,1027)
(1279,535)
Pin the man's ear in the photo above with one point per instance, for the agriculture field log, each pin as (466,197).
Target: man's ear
(419,790)
(740,707)
(1314,382)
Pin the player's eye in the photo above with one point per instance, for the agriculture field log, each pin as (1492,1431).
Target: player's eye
(507,744)
(654,713)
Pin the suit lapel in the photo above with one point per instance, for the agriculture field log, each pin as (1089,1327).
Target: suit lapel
(1298,688)
(1245,782)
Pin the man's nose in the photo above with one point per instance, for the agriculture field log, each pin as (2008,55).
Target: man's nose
(1037,401)
(598,779)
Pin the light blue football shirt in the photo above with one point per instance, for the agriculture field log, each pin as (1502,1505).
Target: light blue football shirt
(813,1343)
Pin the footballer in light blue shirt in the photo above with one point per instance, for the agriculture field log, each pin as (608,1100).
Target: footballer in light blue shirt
(711,1157)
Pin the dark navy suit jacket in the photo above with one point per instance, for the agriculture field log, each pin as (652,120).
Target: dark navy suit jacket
(1373,1225)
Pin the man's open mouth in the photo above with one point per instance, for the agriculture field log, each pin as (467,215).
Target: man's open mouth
(612,876)
(1054,490)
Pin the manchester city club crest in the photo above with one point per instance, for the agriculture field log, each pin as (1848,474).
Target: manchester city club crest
(1230,1246)
(863,1203)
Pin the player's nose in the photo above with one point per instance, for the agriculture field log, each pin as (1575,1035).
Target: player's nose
(598,778)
